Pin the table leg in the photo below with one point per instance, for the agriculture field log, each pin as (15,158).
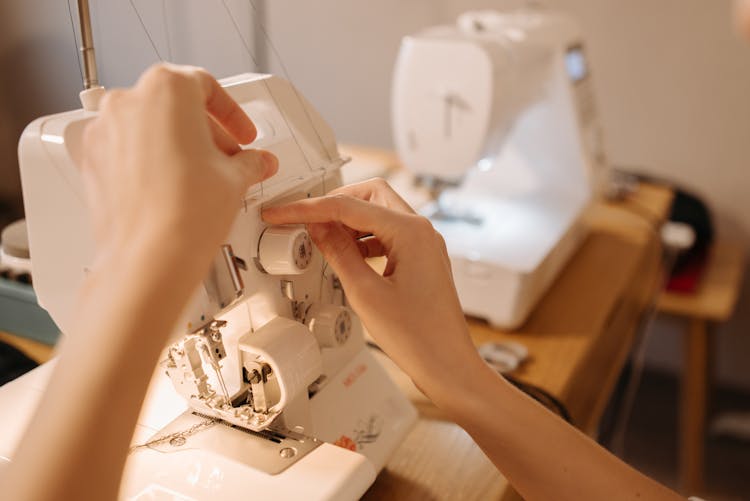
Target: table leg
(693,407)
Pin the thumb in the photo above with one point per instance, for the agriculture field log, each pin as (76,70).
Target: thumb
(255,165)
(343,255)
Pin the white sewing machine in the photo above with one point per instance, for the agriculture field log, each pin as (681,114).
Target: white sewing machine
(496,115)
(268,389)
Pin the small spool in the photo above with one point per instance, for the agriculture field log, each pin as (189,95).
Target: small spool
(330,324)
(285,250)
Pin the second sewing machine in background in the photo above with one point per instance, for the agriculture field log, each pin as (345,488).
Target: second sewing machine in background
(496,116)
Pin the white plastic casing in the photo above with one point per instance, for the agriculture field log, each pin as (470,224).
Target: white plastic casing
(500,108)
(457,93)
(90,98)
(291,351)
(60,234)
(285,250)
(330,324)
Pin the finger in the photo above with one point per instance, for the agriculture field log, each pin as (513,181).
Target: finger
(354,213)
(225,110)
(371,247)
(255,165)
(92,141)
(218,103)
(222,140)
(112,99)
(343,255)
(376,190)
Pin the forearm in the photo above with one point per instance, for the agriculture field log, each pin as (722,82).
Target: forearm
(542,456)
(86,417)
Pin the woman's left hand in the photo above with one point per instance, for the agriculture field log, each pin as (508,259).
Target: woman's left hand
(163,158)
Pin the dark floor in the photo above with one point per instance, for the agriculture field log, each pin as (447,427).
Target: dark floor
(651,440)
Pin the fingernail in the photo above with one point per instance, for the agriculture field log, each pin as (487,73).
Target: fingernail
(270,163)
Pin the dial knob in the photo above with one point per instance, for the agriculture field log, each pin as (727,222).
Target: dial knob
(285,250)
(330,324)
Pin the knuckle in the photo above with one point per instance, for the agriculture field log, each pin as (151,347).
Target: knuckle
(112,100)
(89,134)
(340,197)
(379,182)
(423,226)
(441,241)
(166,77)
(157,72)
(339,202)
(200,72)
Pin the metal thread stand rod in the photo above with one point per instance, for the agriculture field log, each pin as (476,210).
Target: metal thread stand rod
(90,77)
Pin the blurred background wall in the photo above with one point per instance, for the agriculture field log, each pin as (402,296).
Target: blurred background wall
(39,67)
(671,77)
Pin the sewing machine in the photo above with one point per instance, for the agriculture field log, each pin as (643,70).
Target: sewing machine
(496,116)
(267,387)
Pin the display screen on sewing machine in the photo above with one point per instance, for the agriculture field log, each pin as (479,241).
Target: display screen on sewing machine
(575,62)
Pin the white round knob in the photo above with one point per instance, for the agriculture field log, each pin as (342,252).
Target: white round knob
(330,324)
(285,250)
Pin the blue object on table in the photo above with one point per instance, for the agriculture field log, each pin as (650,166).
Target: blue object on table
(20,313)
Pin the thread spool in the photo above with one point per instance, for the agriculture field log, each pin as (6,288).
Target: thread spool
(285,250)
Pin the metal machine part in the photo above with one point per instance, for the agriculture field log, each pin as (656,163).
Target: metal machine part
(268,451)
(285,250)
(223,283)
(278,362)
(185,365)
(92,92)
(90,76)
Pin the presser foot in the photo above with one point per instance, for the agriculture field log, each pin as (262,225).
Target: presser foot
(269,451)
(244,416)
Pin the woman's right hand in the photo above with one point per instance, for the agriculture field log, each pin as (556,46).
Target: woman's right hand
(412,309)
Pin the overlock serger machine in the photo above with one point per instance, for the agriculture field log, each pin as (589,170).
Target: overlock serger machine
(268,388)
(496,115)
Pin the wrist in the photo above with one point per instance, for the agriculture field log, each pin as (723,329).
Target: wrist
(150,259)
(147,282)
(468,391)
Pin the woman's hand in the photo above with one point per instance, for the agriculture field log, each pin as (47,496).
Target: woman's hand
(412,310)
(414,313)
(162,163)
(164,177)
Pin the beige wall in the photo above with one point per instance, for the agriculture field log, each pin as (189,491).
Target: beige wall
(340,53)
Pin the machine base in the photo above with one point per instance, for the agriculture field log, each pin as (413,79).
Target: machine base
(503,265)
(221,462)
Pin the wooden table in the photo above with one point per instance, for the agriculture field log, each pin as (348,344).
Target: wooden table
(713,302)
(35,350)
